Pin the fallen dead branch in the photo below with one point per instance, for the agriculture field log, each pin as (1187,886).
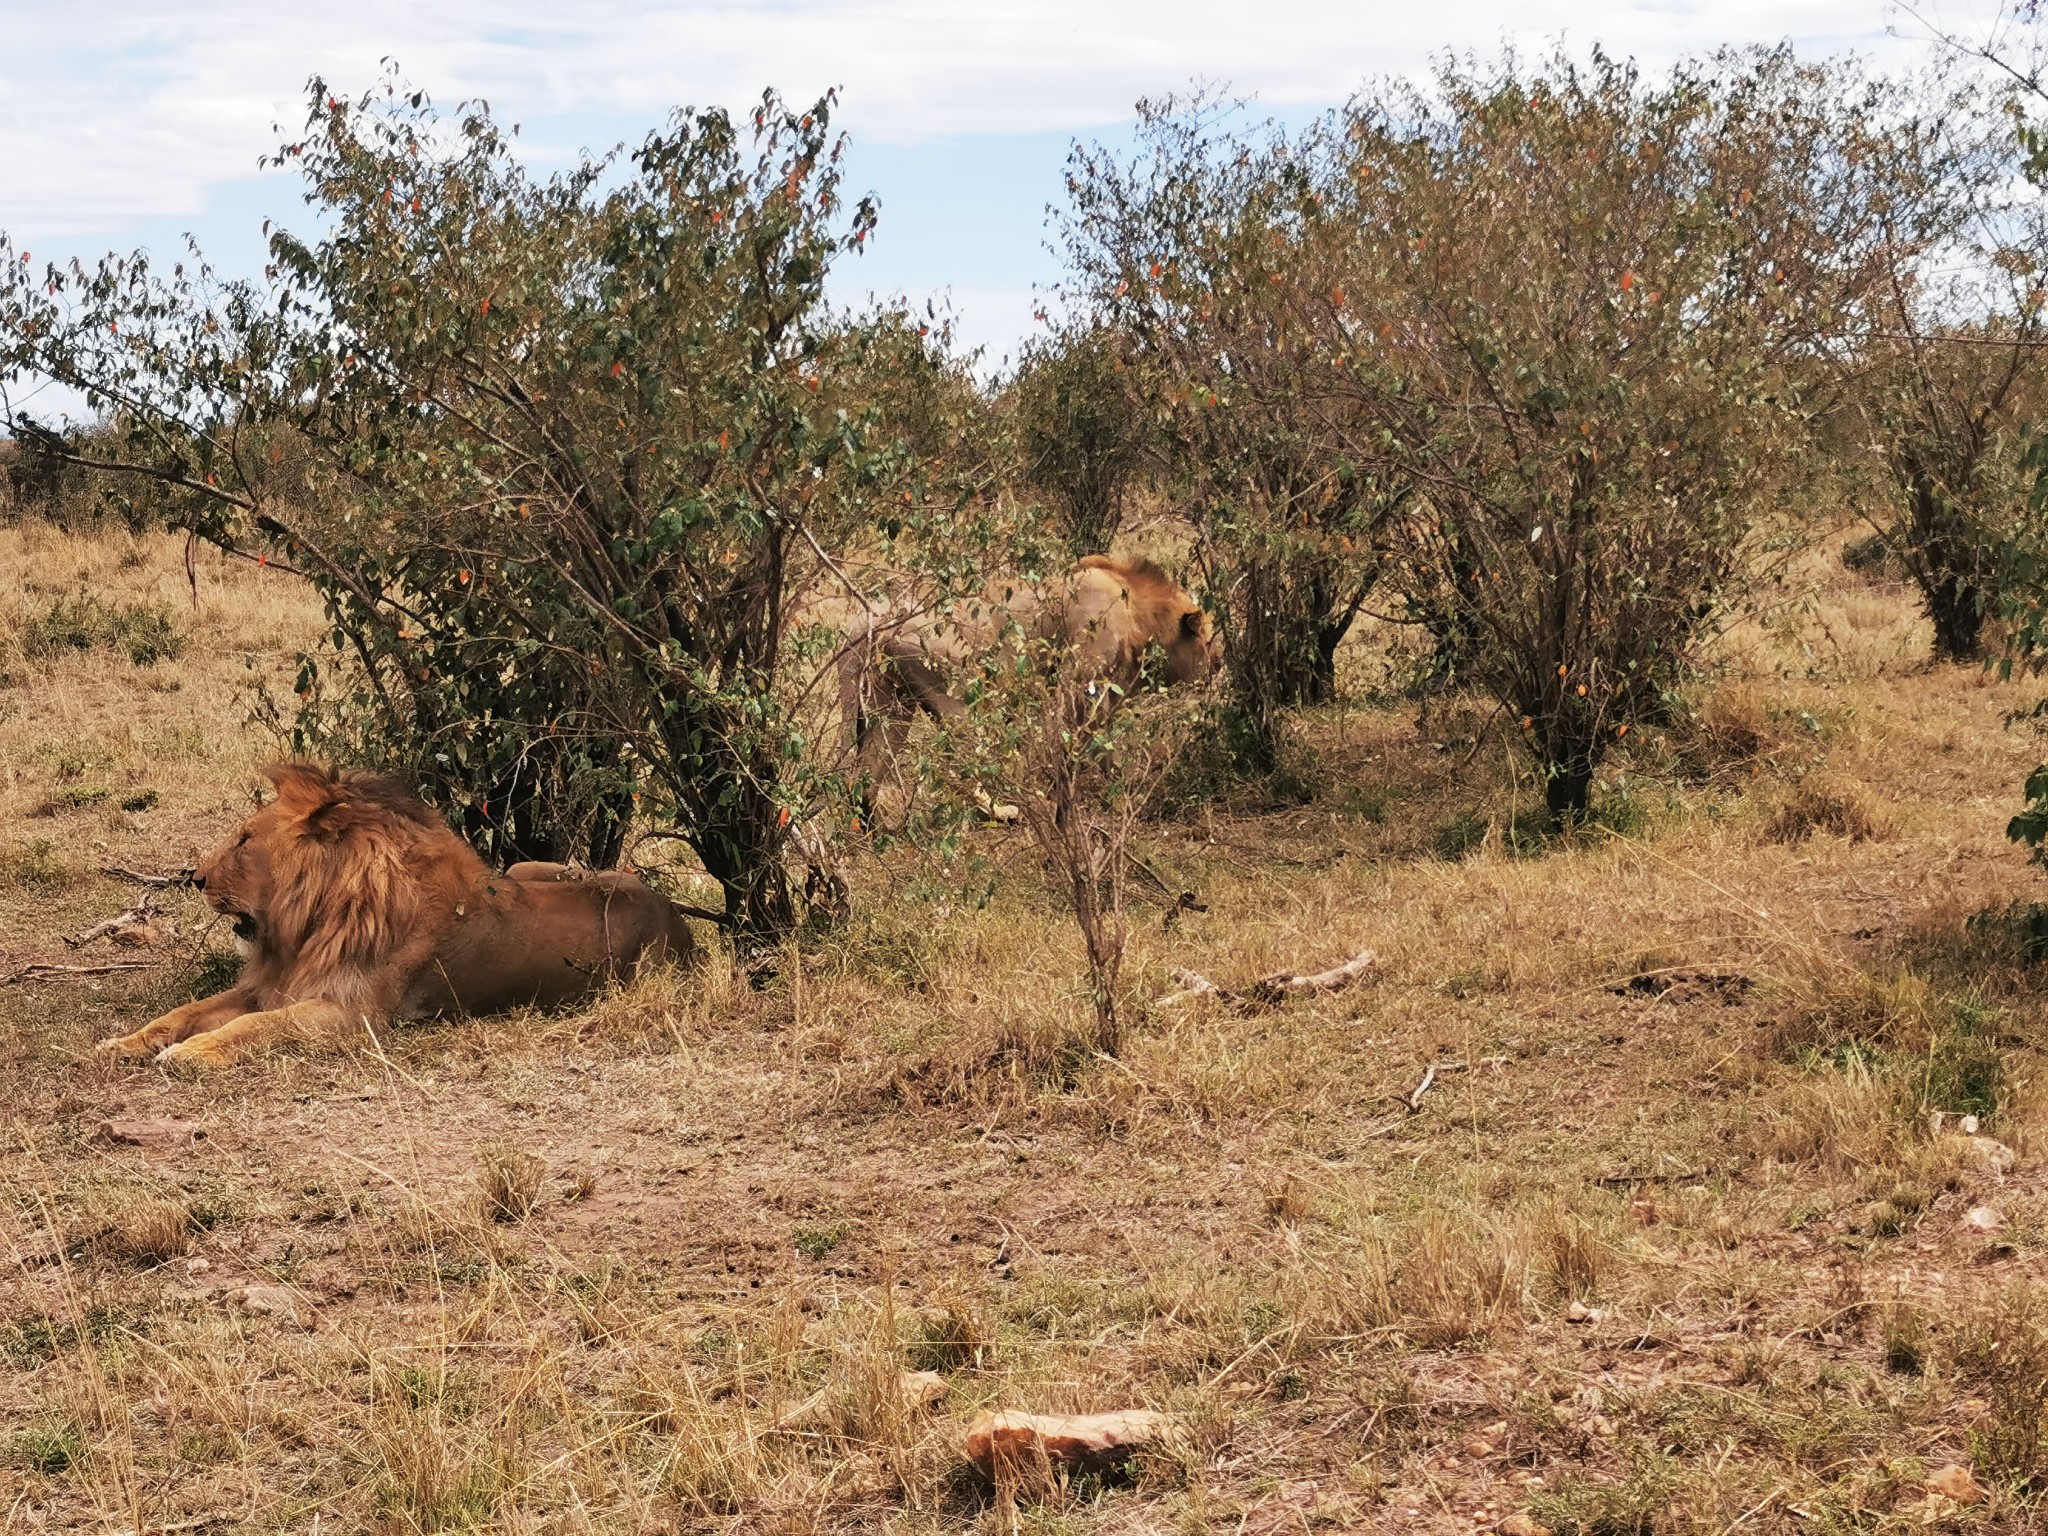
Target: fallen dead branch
(1270,991)
(189,875)
(1412,1100)
(1673,1176)
(40,972)
(140,926)
(1428,1082)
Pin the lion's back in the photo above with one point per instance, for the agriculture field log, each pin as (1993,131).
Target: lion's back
(550,940)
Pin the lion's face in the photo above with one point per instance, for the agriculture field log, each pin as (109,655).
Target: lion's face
(236,878)
(1194,650)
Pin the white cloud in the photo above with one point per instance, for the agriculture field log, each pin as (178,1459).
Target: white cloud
(129,109)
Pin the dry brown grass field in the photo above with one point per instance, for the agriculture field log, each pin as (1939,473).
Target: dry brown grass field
(1672,1242)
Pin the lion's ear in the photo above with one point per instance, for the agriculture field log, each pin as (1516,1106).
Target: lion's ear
(302,788)
(331,819)
(1191,624)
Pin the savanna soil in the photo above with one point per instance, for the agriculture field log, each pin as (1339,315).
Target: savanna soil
(1671,1240)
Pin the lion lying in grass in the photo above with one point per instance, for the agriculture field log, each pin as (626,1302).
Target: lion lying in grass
(355,904)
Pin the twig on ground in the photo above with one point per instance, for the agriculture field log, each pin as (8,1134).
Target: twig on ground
(1192,984)
(1428,1082)
(136,926)
(189,875)
(1649,1178)
(1412,1102)
(1270,991)
(41,972)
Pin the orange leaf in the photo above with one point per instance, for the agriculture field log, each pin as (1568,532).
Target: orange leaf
(724,442)
(1337,297)
(1628,281)
(617,369)
(463,577)
(484,308)
(782,817)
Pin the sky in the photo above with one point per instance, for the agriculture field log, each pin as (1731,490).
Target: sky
(129,123)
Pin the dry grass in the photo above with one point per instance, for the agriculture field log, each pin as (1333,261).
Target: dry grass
(1679,1254)
(1831,803)
(509,1185)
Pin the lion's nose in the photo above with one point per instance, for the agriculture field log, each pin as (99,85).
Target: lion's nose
(199,879)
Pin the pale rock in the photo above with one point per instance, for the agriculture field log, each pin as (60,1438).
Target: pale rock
(922,1390)
(197,1266)
(1984,1218)
(1956,1484)
(1579,1312)
(273,1301)
(1019,1442)
(1486,1441)
(1988,1153)
(1520,1524)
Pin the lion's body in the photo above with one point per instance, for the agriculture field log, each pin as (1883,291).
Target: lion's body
(356,904)
(1103,620)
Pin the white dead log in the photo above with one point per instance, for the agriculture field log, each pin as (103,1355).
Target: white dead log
(1191,984)
(1335,979)
(1270,991)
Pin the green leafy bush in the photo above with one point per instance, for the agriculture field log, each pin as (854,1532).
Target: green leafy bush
(565,458)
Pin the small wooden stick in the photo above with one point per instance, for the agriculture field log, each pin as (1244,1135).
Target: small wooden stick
(1428,1082)
(41,972)
(189,875)
(134,917)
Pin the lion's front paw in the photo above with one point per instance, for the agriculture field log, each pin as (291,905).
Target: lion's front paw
(199,1051)
(134,1045)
